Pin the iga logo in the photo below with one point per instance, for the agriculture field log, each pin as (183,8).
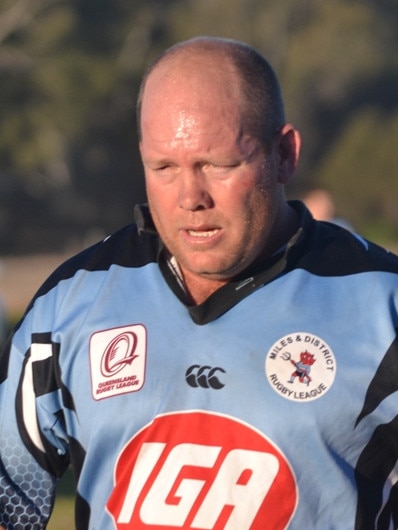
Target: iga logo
(198,470)
(117,360)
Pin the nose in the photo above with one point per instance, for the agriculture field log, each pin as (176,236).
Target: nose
(193,193)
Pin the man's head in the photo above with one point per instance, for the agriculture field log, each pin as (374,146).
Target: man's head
(217,154)
(260,91)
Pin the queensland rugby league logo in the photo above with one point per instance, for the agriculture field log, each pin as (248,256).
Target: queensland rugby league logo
(300,367)
(200,470)
(117,360)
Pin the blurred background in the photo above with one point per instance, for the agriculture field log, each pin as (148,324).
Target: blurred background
(69,74)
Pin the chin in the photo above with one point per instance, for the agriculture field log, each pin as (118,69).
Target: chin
(215,273)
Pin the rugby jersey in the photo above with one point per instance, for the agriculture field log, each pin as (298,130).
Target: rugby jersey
(271,405)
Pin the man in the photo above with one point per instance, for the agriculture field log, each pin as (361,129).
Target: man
(231,363)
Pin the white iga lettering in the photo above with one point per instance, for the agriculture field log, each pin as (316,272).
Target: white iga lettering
(250,473)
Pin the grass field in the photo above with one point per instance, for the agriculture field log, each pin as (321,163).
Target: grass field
(63,514)
(62,517)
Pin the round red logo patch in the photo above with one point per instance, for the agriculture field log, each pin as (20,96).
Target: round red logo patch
(203,471)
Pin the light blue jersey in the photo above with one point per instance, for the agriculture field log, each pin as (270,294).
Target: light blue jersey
(272,405)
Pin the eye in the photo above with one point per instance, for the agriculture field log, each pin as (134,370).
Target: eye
(221,167)
(163,169)
(164,172)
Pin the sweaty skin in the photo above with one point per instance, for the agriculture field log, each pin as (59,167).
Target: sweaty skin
(216,195)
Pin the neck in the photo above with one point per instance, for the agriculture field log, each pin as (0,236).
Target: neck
(199,288)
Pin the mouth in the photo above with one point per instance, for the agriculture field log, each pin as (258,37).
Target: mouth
(202,236)
(203,233)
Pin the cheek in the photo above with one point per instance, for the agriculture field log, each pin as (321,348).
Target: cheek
(159,211)
(260,211)
(157,198)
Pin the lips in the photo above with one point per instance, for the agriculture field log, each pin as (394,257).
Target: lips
(203,233)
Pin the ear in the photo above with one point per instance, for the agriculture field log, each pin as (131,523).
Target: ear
(288,152)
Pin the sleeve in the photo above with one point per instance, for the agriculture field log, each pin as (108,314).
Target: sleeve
(33,440)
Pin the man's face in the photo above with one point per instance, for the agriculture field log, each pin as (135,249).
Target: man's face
(213,191)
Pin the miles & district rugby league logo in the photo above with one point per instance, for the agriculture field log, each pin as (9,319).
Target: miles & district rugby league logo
(300,367)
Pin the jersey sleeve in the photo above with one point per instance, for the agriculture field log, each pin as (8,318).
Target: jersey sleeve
(33,441)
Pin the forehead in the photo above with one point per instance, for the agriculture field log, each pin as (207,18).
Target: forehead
(191,91)
(192,81)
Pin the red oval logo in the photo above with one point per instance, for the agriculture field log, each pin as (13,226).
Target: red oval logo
(199,470)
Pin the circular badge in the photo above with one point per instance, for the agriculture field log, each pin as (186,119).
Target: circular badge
(300,367)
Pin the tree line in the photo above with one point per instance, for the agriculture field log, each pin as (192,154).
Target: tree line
(70,71)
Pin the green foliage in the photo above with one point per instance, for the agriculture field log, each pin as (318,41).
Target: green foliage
(69,75)
(360,170)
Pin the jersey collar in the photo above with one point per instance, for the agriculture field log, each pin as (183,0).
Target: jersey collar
(253,278)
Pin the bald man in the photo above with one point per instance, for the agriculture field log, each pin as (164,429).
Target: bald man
(226,361)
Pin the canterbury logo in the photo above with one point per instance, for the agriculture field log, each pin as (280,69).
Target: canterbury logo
(204,377)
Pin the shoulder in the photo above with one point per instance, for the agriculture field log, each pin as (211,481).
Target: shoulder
(332,250)
(124,248)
